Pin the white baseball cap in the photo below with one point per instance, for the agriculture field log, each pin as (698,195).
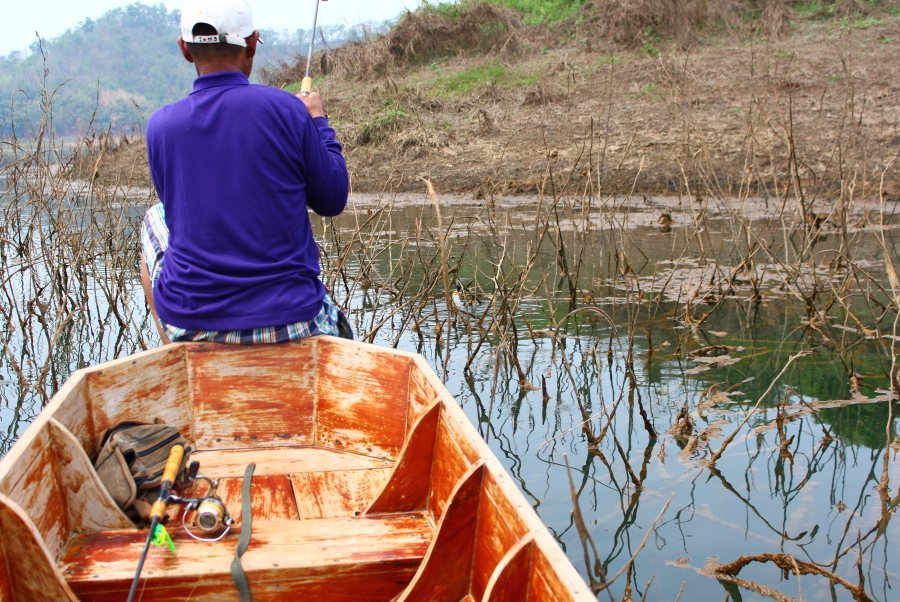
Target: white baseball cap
(232,20)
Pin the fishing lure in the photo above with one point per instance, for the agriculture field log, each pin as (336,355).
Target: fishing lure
(161,537)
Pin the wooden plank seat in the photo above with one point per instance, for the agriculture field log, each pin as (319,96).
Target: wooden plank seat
(287,558)
(296,482)
(282,460)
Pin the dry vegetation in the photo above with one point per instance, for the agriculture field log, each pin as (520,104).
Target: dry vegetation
(679,100)
(417,39)
(681,97)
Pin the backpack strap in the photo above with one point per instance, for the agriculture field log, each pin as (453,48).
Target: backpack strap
(237,570)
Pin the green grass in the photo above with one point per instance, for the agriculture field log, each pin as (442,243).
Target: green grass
(550,12)
(463,82)
(823,9)
(451,10)
(860,23)
(387,120)
(542,12)
(534,12)
(813,9)
(651,41)
(650,92)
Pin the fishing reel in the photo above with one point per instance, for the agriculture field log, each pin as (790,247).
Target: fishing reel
(208,515)
(204,518)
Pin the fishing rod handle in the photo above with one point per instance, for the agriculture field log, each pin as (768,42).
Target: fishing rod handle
(306,86)
(170,473)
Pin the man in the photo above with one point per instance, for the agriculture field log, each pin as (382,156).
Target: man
(229,254)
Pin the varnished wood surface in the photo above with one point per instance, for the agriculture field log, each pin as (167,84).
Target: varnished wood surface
(73,410)
(271,497)
(34,484)
(150,386)
(31,573)
(446,571)
(450,463)
(554,576)
(244,398)
(88,504)
(423,395)
(362,398)
(277,586)
(281,460)
(500,529)
(409,484)
(337,493)
(509,581)
(281,551)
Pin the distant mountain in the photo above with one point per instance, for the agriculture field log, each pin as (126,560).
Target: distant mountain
(114,71)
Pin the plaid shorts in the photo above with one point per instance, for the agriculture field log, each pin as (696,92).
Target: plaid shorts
(155,241)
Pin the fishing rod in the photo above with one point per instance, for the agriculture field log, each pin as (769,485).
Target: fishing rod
(158,512)
(306,86)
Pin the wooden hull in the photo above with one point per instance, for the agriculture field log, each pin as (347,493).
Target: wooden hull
(370,484)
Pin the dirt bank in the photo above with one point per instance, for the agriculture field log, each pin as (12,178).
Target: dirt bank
(723,116)
(812,113)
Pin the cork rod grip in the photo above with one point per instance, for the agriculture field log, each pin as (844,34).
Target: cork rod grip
(169,474)
(306,86)
(173,464)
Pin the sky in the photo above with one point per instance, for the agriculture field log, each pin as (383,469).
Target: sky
(51,18)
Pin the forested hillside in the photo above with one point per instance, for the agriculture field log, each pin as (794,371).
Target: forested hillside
(116,70)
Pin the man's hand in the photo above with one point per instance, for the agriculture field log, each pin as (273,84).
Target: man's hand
(313,104)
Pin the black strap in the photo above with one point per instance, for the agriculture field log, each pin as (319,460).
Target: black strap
(237,571)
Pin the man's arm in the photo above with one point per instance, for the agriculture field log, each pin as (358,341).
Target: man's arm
(327,182)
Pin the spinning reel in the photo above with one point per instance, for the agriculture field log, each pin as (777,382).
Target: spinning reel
(204,518)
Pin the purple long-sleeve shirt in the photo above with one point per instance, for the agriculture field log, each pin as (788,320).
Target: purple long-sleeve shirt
(236,166)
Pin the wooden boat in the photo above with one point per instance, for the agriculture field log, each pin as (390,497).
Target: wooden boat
(370,484)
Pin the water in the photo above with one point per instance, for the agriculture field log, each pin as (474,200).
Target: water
(798,480)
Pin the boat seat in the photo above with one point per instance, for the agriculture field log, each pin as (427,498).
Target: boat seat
(296,482)
(282,460)
(376,557)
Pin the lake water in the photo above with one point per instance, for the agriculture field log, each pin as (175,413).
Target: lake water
(581,347)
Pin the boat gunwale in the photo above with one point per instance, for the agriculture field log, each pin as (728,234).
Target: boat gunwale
(564,568)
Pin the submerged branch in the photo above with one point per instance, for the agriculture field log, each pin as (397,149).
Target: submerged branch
(786,562)
(718,454)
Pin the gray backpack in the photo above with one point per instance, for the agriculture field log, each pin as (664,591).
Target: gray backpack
(131,461)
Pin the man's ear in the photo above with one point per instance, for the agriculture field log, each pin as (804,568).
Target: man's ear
(251,44)
(184,50)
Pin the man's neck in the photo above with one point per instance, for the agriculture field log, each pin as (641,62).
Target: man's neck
(219,67)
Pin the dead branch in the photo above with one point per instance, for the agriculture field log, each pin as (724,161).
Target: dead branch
(786,562)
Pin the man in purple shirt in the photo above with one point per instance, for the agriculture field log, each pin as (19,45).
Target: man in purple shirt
(229,254)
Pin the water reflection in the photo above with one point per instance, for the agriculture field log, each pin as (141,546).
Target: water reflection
(548,380)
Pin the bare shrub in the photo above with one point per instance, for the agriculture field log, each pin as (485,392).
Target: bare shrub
(774,20)
(636,22)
